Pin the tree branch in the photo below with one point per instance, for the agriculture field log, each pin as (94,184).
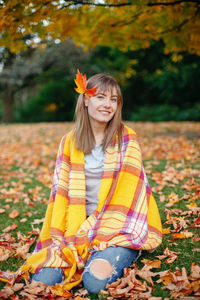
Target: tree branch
(178,27)
(83,2)
(125,23)
(173,3)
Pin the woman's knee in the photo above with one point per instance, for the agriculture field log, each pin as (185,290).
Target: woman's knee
(97,274)
(101,268)
(48,276)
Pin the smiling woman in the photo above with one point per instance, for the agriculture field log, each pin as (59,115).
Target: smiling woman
(98,118)
(101,211)
(101,108)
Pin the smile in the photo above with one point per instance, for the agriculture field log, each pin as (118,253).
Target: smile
(104,112)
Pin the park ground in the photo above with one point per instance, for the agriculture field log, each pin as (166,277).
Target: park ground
(171,155)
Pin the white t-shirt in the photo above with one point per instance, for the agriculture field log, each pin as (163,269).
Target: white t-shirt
(94,163)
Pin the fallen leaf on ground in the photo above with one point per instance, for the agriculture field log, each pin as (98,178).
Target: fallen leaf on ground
(14,214)
(182,235)
(196,250)
(196,222)
(81,292)
(172,256)
(179,284)
(146,274)
(60,291)
(195,272)
(37,221)
(196,238)
(166,230)
(153,263)
(6,291)
(4,254)
(17,287)
(35,287)
(9,228)
(128,286)
(81,298)
(23,220)
(7,206)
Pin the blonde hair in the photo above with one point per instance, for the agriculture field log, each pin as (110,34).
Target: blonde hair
(85,140)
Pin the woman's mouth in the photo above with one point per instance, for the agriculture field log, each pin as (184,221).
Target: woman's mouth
(104,112)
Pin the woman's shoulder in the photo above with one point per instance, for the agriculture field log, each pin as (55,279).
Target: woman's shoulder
(68,136)
(66,139)
(129,131)
(130,138)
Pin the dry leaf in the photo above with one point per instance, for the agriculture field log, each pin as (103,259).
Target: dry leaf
(60,291)
(195,272)
(81,298)
(127,286)
(171,260)
(17,287)
(191,205)
(27,213)
(4,254)
(8,290)
(37,221)
(182,235)
(35,287)
(196,222)
(9,228)
(7,206)
(81,292)
(22,251)
(153,263)
(14,214)
(196,238)
(23,220)
(146,274)
(166,230)
(28,296)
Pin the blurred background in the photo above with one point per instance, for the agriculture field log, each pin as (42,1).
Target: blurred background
(152,48)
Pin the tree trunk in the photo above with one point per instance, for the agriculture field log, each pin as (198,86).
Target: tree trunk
(8,106)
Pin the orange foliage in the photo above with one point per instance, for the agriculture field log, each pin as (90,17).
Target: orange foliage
(140,23)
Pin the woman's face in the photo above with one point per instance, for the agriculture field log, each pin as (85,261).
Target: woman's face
(102,107)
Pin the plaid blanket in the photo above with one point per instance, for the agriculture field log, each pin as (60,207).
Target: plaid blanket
(126,214)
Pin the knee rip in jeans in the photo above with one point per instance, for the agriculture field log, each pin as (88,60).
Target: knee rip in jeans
(101,268)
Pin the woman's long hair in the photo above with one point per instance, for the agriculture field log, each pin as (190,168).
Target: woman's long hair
(85,140)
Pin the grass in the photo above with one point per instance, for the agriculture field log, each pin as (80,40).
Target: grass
(31,176)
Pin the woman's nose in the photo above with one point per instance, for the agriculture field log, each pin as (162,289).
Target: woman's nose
(106,102)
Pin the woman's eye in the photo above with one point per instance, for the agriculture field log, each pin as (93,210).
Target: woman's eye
(114,100)
(99,97)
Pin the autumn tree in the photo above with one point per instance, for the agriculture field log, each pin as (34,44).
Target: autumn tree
(124,24)
(121,24)
(36,66)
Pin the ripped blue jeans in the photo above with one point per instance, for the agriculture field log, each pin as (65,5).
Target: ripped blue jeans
(118,257)
(112,259)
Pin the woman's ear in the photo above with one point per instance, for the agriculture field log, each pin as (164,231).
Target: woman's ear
(86,101)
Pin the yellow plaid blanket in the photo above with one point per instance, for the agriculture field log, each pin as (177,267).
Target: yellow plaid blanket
(126,215)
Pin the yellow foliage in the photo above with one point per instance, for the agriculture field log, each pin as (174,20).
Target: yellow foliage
(176,57)
(131,26)
(50,107)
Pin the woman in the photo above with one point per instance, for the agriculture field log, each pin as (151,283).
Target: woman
(101,212)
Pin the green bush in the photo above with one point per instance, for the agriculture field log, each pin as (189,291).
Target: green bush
(55,102)
(0,109)
(159,113)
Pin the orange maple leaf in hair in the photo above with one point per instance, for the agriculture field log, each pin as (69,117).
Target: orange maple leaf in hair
(81,82)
